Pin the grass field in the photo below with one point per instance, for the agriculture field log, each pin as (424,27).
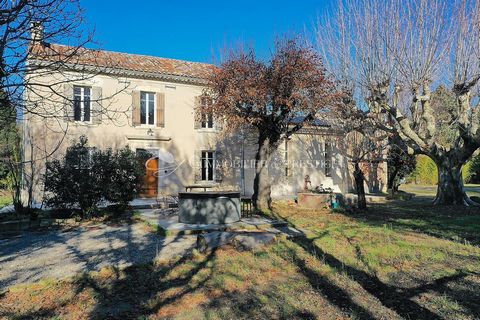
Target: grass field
(430,191)
(400,260)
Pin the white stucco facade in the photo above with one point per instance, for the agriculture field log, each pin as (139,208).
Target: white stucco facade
(114,127)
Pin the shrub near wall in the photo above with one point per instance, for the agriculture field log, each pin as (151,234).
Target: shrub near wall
(124,179)
(86,176)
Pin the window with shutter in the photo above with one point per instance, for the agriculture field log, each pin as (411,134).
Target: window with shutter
(136,108)
(285,157)
(197,165)
(147,108)
(81,104)
(328,159)
(207,165)
(219,166)
(160,109)
(68,107)
(96,105)
(203,119)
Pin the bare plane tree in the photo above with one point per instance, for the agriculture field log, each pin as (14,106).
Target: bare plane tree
(363,144)
(27,29)
(34,74)
(392,56)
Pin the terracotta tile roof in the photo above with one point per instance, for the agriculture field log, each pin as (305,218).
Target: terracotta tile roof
(75,56)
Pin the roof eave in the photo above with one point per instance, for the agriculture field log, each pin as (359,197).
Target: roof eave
(120,72)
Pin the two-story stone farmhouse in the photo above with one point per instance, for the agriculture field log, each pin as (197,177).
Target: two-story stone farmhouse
(149,103)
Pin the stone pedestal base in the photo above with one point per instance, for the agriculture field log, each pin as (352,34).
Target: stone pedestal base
(209,207)
(313,200)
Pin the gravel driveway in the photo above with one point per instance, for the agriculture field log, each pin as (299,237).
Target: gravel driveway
(59,254)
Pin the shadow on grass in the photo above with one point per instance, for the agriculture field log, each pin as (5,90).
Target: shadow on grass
(395,298)
(401,300)
(457,223)
(146,289)
(136,292)
(332,292)
(251,304)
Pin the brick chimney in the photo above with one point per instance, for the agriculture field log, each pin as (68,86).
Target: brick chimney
(36,30)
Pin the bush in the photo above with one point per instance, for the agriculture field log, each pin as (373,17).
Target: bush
(124,178)
(86,176)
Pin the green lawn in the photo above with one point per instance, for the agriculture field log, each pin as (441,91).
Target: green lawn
(430,191)
(455,223)
(400,260)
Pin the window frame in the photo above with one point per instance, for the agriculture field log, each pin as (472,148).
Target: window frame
(82,103)
(207,121)
(328,154)
(147,118)
(285,158)
(205,170)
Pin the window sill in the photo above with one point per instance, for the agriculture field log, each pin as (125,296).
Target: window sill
(206,130)
(148,126)
(84,123)
(207,182)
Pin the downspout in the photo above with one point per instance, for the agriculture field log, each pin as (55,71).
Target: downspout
(242,165)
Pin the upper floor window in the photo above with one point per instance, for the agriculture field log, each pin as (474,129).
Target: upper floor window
(206,117)
(147,108)
(81,103)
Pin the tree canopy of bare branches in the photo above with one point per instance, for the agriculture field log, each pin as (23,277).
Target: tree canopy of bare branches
(269,96)
(24,26)
(393,56)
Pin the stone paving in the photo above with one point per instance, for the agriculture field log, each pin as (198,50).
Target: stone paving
(58,254)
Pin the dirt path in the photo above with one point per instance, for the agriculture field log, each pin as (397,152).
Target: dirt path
(60,254)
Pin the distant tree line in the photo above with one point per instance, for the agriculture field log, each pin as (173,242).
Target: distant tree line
(426,171)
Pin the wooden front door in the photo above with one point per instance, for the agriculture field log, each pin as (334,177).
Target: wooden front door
(150,180)
(148,160)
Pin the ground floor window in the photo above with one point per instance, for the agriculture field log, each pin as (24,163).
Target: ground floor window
(208,165)
(328,159)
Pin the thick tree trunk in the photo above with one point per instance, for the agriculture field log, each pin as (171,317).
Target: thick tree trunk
(391,183)
(359,178)
(450,190)
(262,187)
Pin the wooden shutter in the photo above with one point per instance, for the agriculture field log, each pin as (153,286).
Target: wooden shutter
(160,109)
(218,122)
(197,113)
(96,102)
(68,102)
(219,166)
(136,108)
(197,165)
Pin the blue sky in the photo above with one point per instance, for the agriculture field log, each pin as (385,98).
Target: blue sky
(195,30)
